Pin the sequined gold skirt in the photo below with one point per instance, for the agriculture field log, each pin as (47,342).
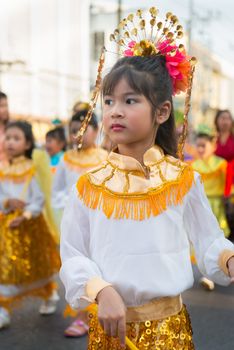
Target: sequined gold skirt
(28,255)
(171,333)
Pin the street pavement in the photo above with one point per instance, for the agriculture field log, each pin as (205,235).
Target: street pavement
(212,315)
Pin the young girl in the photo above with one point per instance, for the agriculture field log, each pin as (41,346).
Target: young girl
(128,224)
(73,164)
(28,253)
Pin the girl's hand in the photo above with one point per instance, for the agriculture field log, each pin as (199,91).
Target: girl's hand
(16,222)
(230,265)
(15,204)
(112,313)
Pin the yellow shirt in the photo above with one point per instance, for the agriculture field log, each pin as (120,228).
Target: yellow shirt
(213,172)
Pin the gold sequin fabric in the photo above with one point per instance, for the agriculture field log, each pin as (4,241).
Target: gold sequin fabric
(171,333)
(28,253)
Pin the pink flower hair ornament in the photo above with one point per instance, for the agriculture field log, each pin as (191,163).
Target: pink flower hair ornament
(162,40)
(177,62)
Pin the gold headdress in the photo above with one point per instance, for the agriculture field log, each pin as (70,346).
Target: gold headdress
(133,39)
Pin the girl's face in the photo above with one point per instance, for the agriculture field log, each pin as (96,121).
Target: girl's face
(15,143)
(89,138)
(53,146)
(127,116)
(205,148)
(225,122)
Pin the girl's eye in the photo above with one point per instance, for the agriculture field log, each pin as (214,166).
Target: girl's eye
(108,102)
(130,101)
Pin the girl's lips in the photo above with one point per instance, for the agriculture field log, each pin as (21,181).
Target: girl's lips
(117,127)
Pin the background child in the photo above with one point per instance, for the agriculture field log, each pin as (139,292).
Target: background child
(213,172)
(55,146)
(73,164)
(28,253)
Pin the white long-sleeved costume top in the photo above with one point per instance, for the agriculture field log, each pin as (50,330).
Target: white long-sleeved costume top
(71,167)
(142,253)
(18,181)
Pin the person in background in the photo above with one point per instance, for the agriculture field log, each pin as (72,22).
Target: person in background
(72,165)
(79,106)
(29,258)
(225,142)
(224,124)
(213,172)
(4,118)
(55,146)
(74,162)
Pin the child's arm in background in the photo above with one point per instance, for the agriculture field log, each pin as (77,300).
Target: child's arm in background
(33,205)
(59,187)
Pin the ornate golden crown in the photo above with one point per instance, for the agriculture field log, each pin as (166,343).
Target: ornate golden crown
(138,37)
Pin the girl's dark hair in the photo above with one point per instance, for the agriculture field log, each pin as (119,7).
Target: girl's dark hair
(2,95)
(202,135)
(59,135)
(218,114)
(79,117)
(26,128)
(147,76)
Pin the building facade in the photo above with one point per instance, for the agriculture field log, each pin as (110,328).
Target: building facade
(44,55)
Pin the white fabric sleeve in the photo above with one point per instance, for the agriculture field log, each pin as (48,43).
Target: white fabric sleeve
(2,198)
(35,199)
(77,267)
(204,233)
(59,188)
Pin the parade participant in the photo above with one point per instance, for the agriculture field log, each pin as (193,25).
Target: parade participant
(128,224)
(55,146)
(73,164)
(79,106)
(225,143)
(225,148)
(213,173)
(4,117)
(28,254)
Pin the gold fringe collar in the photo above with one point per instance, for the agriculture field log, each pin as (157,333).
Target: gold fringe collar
(18,171)
(135,206)
(84,159)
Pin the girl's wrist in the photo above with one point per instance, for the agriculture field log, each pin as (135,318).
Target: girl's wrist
(230,262)
(101,293)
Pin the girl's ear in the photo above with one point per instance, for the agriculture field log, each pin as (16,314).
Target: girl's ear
(163,112)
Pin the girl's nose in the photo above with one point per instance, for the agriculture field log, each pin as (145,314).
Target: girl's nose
(117,112)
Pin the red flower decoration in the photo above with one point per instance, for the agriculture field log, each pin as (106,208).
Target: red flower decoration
(178,66)
(129,52)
